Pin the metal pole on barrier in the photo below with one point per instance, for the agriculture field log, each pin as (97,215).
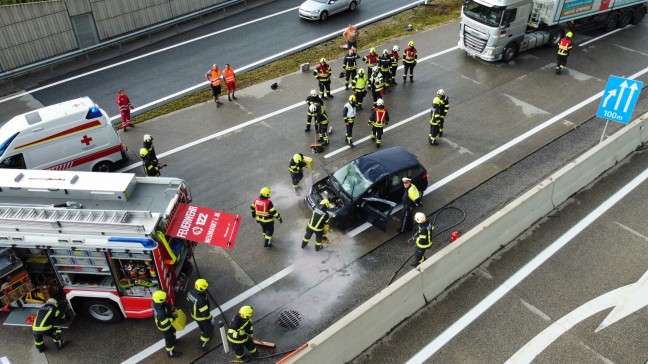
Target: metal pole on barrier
(221,327)
(604,130)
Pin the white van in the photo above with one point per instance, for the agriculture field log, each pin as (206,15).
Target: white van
(73,135)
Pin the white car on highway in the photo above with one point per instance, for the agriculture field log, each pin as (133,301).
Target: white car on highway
(321,9)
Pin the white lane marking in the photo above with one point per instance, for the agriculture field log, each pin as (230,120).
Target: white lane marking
(632,231)
(215,313)
(524,272)
(261,118)
(476,163)
(601,37)
(144,56)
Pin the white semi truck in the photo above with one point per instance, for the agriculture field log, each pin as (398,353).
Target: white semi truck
(496,30)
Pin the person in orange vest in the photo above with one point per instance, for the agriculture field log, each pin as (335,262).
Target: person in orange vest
(378,119)
(410,57)
(323,75)
(230,82)
(351,35)
(265,214)
(124,109)
(564,48)
(215,77)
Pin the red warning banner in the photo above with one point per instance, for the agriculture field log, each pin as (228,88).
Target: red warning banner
(203,225)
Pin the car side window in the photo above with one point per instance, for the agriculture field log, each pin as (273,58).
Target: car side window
(15,161)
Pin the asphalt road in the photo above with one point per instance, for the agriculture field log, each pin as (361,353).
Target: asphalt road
(491,104)
(278,31)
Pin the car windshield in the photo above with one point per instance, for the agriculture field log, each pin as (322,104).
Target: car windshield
(352,181)
(484,14)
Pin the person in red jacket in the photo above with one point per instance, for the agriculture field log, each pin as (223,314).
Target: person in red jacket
(124,109)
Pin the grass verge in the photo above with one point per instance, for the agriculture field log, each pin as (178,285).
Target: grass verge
(422,18)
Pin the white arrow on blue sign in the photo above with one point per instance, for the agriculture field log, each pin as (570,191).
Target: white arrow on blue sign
(619,99)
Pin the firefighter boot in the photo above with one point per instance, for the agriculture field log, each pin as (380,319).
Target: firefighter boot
(202,344)
(40,348)
(304,243)
(174,353)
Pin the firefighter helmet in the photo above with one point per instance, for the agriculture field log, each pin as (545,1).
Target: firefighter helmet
(148,138)
(375,69)
(312,108)
(411,43)
(396,49)
(323,60)
(385,51)
(313,93)
(361,71)
(380,102)
(405,179)
(159,296)
(144,152)
(441,92)
(298,157)
(420,217)
(246,312)
(373,50)
(201,284)
(569,34)
(265,192)
(52,301)
(325,202)
(352,98)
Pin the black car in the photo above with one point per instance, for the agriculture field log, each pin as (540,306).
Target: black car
(369,187)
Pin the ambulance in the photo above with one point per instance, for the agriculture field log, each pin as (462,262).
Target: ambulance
(73,135)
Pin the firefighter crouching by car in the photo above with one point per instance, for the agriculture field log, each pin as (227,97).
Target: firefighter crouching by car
(265,213)
(423,238)
(200,311)
(240,334)
(411,198)
(318,224)
(163,314)
(43,325)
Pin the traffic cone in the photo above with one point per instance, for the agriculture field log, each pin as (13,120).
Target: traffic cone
(454,236)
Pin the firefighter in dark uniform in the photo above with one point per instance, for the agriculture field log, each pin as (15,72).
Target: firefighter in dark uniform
(43,325)
(394,65)
(323,75)
(312,98)
(410,57)
(443,109)
(151,167)
(163,314)
(564,48)
(438,107)
(411,198)
(371,59)
(321,122)
(377,85)
(378,119)
(240,334)
(295,166)
(384,64)
(350,66)
(349,114)
(423,238)
(147,143)
(265,213)
(359,86)
(318,223)
(200,311)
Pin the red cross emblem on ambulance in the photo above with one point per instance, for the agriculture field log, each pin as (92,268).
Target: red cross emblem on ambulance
(86,140)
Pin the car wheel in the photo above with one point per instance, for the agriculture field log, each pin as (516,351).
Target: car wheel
(612,22)
(353,6)
(103,166)
(638,17)
(324,15)
(101,311)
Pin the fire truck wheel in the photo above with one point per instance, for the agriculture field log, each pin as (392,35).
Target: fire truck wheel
(101,311)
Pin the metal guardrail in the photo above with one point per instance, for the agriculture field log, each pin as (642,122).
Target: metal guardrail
(114,41)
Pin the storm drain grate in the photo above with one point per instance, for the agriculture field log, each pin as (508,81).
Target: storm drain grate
(289,319)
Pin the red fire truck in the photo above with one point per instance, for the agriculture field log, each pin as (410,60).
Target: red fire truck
(103,242)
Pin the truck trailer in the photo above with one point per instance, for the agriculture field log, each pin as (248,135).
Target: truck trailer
(495,30)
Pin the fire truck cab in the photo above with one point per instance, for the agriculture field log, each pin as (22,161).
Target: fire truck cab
(98,241)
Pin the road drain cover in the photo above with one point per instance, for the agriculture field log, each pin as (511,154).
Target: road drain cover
(289,319)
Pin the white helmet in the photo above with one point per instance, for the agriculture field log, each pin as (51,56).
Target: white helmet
(52,301)
(380,102)
(420,217)
(441,92)
(385,51)
(313,93)
(147,138)
(396,49)
(312,108)
(375,69)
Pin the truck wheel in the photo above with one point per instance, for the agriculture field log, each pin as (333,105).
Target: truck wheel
(612,22)
(103,166)
(555,35)
(510,51)
(626,17)
(101,311)
(638,16)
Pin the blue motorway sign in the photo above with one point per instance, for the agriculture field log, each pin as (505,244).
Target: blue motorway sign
(619,99)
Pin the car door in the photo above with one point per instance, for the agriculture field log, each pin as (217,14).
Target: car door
(336,5)
(377,211)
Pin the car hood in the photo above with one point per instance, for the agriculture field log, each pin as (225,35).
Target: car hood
(311,5)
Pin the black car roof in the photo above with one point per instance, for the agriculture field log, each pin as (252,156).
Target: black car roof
(387,161)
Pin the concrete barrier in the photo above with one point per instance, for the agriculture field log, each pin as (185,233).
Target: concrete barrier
(352,334)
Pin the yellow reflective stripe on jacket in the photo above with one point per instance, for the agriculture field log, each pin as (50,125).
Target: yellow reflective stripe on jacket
(42,328)
(195,316)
